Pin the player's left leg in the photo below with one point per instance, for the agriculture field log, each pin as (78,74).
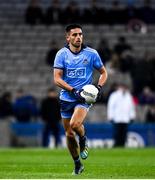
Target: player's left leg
(76,124)
(73,147)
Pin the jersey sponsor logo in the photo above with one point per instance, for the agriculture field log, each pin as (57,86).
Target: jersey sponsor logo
(76,73)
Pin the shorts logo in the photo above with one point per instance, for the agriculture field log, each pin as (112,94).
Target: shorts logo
(76,73)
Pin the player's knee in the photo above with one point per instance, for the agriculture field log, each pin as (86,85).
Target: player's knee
(74,125)
(70,135)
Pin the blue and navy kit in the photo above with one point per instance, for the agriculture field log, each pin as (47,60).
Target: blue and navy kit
(77,68)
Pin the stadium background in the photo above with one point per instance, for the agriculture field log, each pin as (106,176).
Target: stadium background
(23,49)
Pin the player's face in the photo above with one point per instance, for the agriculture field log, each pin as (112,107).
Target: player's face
(75,37)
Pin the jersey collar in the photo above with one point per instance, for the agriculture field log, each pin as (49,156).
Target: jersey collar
(82,47)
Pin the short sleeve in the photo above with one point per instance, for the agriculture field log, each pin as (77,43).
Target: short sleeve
(59,60)
(97,62)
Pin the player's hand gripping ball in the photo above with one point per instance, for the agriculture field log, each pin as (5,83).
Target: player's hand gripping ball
(89,93)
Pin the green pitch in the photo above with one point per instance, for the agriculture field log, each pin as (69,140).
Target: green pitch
(102,163)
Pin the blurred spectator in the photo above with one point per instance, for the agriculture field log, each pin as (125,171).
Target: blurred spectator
(93,14)
(126,61)
(147,96)
(71,13)
(25,107)
(34,14)
(115,14)
(6,105)
(150,114)
(50,113)
(131,2)
(135,100)
(143,74)
(147,13)
(137,26)
(112,89)
(130,13)
(104,50)
(121,45)
(120,111)
(113,66)
(51,53)
(53,13)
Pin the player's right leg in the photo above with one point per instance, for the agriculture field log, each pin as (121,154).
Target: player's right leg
(73,147)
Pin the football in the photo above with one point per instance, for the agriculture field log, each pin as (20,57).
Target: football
(89,93)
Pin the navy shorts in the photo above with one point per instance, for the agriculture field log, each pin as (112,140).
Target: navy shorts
(67,108)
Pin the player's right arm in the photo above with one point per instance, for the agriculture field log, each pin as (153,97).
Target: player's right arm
(58,74)
(59,70)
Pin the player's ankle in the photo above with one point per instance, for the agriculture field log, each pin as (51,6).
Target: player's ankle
(77,160)
(82,138)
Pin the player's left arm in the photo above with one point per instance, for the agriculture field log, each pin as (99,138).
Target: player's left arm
(103,76)
(98,65)
(101,81)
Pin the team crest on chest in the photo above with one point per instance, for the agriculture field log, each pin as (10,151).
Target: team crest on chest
(85,62)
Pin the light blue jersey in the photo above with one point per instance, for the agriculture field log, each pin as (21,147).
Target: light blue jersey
(77,68)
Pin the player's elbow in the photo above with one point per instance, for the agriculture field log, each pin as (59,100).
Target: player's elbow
(57,77)
(56,81)
(105,74)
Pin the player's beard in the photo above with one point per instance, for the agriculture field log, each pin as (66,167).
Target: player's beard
(76,45)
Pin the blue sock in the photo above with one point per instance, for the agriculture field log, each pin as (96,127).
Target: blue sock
(82,138)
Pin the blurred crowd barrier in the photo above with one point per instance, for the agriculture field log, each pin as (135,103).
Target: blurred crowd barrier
(14,134)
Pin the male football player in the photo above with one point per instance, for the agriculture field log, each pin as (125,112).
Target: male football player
(73,68)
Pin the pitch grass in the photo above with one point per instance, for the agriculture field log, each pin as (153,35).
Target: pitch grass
(56,163)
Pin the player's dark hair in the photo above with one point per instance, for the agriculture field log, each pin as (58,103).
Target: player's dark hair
(72,26)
